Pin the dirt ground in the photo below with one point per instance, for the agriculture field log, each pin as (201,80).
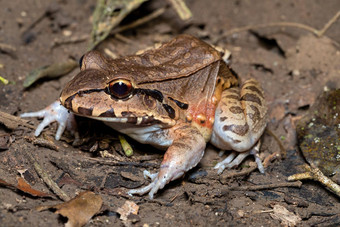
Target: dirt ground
(293,65)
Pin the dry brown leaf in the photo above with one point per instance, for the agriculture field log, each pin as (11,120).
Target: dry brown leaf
(5,184)
(12,122)
(286,217)
(80,209)
(25,187)
(128,208)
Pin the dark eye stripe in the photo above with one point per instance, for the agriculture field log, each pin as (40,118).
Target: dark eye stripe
(181,105)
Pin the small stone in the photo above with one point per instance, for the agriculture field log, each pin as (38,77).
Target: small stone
(296,72)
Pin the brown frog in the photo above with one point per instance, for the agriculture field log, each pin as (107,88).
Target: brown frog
(177,97)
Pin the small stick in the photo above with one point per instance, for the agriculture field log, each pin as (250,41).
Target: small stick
(315,31)
(238,174)
(296,184)
(47,179)
(71,40)
(140,21)
(270,158)
(42,143)
(7,48)
(123,38)
(283,152)
(13,122)
(314,173)
(329,23)
(118,163)
(3,80)
(182,9)
(126,146)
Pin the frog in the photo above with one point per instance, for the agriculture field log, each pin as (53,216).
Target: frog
(177,97)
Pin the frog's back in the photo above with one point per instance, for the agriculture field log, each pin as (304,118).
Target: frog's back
(181,57)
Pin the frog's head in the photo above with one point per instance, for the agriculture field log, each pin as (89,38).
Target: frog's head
(107,91)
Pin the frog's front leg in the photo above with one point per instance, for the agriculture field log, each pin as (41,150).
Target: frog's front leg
(240,119)
(184,153)
(55,112)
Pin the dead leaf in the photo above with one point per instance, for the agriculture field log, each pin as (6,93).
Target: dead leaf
(24,187)
(12,122)
(286,217)
(78,210)
(5,184)
(50,71)
(128,208)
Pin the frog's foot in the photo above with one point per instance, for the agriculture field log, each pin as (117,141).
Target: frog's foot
(159,180)
(235,159)
(184,153)
(55,112)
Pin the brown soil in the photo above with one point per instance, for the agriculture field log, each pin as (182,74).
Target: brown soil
(292,64)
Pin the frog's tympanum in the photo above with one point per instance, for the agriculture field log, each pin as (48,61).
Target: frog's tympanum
(177,97)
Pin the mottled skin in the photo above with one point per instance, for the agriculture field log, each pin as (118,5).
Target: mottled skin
(180,96)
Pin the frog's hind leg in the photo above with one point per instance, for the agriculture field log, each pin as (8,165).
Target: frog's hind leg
(234,160)
(184,153)
(240,120)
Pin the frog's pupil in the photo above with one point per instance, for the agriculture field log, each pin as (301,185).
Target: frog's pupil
(120,88)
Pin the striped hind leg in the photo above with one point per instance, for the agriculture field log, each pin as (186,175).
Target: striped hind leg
(240,120)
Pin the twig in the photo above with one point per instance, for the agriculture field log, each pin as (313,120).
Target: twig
(42,142)
(12,122)
(7,48)
(296,184)
(77,39)
(47,180)
(270,158)
(118,163)
(314,173)
(238,174)
(315,31)
(283,152)
(181,8)
(146,157)
(105,18)
(3,80)
(140,21)
(123,38)
(329,23)
(128,151)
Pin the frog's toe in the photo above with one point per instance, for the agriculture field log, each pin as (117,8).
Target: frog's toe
(235,159)
(149,188)
(143,190)
(156,184)
(147,174)
(159,180)
(54,112)
(222,165)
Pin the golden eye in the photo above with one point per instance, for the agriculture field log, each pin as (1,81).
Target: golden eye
(120,88)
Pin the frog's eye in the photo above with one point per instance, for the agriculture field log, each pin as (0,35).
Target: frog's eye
(120,88)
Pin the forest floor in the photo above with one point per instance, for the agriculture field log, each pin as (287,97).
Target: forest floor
(293,65)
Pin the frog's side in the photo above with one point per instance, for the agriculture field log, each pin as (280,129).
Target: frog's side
(176,97)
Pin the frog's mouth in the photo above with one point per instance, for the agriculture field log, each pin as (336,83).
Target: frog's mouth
(142,121)
(101,107)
